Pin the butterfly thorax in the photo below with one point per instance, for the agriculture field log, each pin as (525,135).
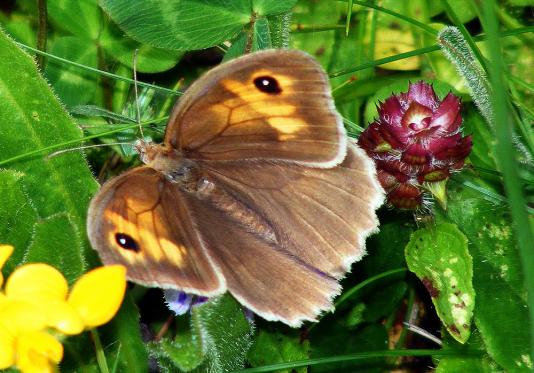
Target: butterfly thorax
(188,175)
(169,161)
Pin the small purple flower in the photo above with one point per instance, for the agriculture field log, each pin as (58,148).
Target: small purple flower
(180,302)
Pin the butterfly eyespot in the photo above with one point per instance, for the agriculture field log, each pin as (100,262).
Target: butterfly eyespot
(126,242)
(267,84)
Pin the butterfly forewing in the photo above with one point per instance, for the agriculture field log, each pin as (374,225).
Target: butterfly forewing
(271,105)
(140,220)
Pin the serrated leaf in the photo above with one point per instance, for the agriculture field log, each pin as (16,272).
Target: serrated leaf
(274,347)
(72,85)
(501,311)
(31,118)
(225,332)
(439,257)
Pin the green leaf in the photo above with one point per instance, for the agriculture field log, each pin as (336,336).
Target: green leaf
(73,86)
(180,25)
(274,347)
(17,215)
(124,335)
(184,352)
(332,339)
(501,310)
(384,301)
(272,7)
(262,35)
(439,257)
(149,59)
(238,47)
(218,340)
(188,24)
(81,18)
(225,332)
(32,118)
(58,231)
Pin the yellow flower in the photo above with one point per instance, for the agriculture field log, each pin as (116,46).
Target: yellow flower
(36,300)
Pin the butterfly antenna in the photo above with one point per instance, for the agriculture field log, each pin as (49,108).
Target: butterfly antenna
(138,112)
(58,152)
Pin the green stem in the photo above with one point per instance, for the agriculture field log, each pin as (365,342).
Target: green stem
(97,71)
(505,156)
(100,355)
(41,33)
(409,20)
(418,52)
(358,356)
(348,294)
(66,143)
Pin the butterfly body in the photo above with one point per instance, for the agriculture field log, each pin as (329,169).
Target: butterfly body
(256,190)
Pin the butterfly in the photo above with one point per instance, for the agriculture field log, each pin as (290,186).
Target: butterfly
(256,190)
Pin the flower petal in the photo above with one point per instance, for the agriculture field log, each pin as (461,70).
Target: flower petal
(63,317)
(98,294)
(37,281)
(7,348)
(38,352)
(21,316)
(447,116)
(423,93)
(5,253)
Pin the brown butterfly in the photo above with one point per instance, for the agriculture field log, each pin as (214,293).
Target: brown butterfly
(256,191)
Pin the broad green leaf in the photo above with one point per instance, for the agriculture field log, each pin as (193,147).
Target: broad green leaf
(58,234)
(501,311)
(439,257)
(466,360)
(73,85)
(482,154)
(124,334)
(19,27)
(17,214)
(218,340)
(31,118)
(180,25)
(184,352)
(271,7)
(275,347)
(81,17)
(261,39)
(149,59)
(225,332)
(238,46)
(188,24)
